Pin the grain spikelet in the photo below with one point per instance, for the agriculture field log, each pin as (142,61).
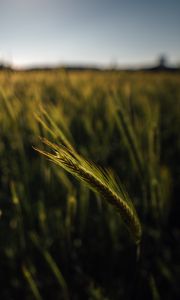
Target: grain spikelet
(98,180)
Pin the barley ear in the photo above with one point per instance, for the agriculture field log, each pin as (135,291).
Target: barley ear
(100,181)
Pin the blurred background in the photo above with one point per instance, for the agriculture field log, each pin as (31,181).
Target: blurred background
(104,76)
(76,32)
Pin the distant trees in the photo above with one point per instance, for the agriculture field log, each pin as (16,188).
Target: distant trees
(5,66)
(162,61)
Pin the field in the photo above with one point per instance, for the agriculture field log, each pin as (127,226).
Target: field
(59,238)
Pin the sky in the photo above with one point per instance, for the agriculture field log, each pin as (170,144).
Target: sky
(122,32)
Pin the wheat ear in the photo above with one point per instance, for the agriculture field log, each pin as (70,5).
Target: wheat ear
(98,180)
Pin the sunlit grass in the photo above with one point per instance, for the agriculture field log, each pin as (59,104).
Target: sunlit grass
(58,239)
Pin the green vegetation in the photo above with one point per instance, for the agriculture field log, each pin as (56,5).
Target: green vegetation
(118,134)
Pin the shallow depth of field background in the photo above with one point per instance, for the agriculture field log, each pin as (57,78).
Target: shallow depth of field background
(106,76)
(58,240)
